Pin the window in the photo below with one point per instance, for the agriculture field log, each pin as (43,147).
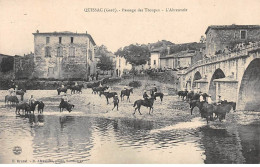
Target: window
(59,52)
(71,39)
(47,51)
(47,40)
(72,52)
(243,34)
(60,38)
(154,62)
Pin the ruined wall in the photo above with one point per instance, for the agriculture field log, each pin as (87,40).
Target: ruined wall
(60,62)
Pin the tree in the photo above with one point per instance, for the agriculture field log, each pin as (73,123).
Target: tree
(135,55)
(105,63)
(7,64)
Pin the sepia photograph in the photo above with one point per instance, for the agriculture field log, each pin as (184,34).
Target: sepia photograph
(129,82)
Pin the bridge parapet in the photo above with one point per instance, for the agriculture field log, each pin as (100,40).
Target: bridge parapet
(223,57)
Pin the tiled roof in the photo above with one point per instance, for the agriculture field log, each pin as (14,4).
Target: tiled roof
(233,26)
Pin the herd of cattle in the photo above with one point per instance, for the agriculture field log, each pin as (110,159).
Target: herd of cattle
(206,110)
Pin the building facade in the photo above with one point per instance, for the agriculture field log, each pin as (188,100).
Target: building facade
(155,59)
(178,60)
(62,55)
(225,37)
(122,65)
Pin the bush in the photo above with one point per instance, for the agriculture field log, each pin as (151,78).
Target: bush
(135,84)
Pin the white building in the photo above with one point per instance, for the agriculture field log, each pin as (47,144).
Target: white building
(155,59)
(123,66)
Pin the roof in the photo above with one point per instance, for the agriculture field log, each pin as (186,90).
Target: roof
(181,54)
(233,26)
(66,33)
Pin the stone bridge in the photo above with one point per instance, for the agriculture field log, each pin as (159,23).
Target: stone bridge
(234,76)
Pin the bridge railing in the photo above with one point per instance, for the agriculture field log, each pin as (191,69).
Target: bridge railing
(224,56)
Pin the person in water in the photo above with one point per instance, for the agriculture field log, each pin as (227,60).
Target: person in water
(116,102)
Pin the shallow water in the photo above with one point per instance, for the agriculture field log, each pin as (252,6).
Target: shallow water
(78,137)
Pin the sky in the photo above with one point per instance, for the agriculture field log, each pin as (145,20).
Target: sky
(20,18)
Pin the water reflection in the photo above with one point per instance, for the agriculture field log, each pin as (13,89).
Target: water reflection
(99,140)
(221,146)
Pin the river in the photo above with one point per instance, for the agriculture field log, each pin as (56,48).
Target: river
(84,137)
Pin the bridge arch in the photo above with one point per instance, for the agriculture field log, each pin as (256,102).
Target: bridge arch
(249,90)
(197,76)
(212,86)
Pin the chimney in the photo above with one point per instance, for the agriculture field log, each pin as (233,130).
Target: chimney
(86,32)
(37,31)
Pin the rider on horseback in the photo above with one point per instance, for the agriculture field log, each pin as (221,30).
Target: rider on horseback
(65,98)
(145,96)
(154,88)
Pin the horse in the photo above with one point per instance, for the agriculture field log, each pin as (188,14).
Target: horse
(195,103)
(221,110)
(233,104)
(182,94)
(25,107)
(21,93)
(126,92)
(77,88)
(108,95)
(158,95)
(60,89)
(146,103)
(93,85)
(65,104)
(190,95)
(207,111)
(12,99)
(99,89)
(40,106)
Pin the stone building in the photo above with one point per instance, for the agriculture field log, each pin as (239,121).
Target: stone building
(62,55)
(222,38)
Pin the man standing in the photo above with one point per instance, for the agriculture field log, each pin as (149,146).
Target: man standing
(31,100)
(116,102)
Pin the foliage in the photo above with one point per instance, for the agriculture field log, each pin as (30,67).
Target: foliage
(135,84)
(135,54)
(105,63)
(7,64)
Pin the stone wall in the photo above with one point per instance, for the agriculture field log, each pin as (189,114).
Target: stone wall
(64,65)
(219,39)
